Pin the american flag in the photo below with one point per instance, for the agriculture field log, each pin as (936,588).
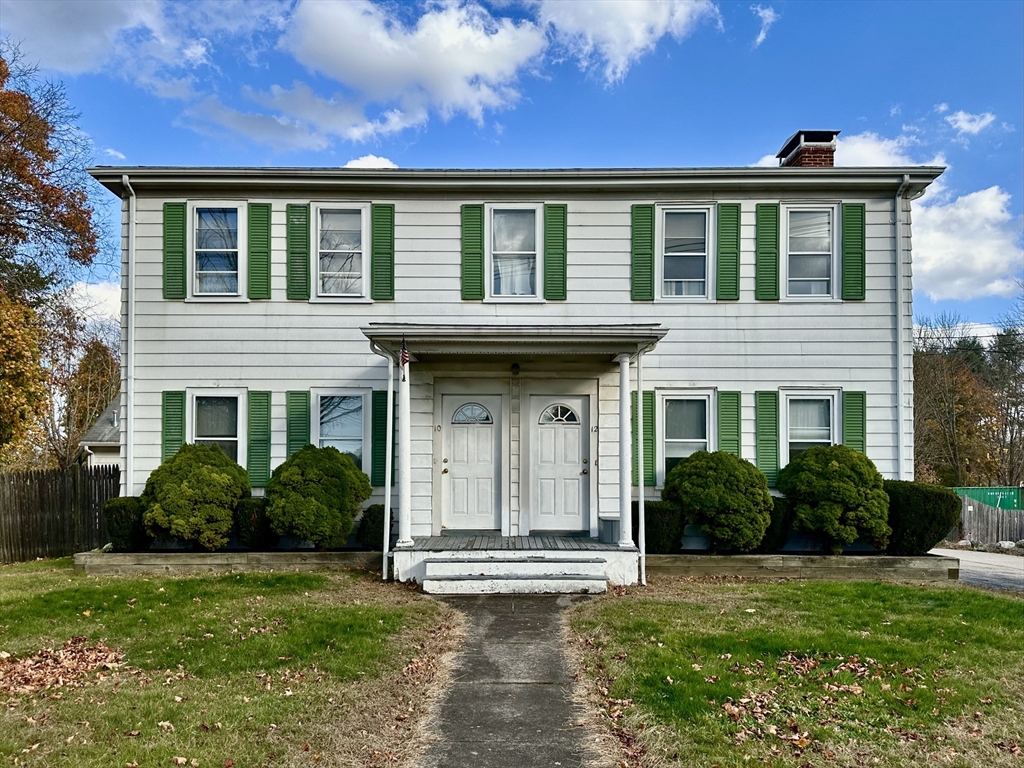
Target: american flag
(403,358)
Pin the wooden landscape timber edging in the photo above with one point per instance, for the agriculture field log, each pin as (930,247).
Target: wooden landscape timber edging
(927,568)
(170,563)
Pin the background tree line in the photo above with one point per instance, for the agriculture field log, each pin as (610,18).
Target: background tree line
(58,368)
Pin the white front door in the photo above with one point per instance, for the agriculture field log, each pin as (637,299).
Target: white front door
(560,462)
(471,462)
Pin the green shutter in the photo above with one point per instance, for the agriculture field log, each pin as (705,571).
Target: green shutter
(642,253)
(855,420)
(766,256)
(172,423)
(297,412)
(853,251)
(258,455)
(727,269)
(650,476)
(555,226)
(174,251)
(729,422)
(766,434)
(382,248)
(259,250)
(379,438)
(473,252)
(297,234)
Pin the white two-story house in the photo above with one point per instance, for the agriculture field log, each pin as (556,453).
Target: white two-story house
(751,310)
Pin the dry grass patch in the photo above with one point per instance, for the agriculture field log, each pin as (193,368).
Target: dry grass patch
(731,672)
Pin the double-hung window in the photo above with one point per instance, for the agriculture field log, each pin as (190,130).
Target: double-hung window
(811,262)
(685,246)
(685,428)
(218,254)
(810,420)
(341,250)
(215,419)
(514,238)
(340,420)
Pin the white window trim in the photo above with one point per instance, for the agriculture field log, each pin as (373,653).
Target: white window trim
(710,244)
(314,416)
(241,394)
(709,396)
(243,256)
(489,295)
(836,276)
(806,394)
(314,252)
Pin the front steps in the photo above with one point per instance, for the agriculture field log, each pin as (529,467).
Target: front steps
(550,572)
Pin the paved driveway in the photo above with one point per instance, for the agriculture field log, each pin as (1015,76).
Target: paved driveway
(988,569)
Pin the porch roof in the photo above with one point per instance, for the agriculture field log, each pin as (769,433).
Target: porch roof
(430,339)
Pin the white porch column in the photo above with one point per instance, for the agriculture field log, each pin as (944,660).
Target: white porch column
(625,473)
(404,457)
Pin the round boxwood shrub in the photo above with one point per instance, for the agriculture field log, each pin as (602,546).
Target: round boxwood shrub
(193,495)
(723,494)
(125,524)
(920,515)
(664,523)
(252,524)
(315,494)
(371,528)
(836,491)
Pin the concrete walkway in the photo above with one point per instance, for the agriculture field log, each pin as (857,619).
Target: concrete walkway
(509,703)
(988,569)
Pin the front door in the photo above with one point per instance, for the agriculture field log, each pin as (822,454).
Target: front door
(560,462)
(471,462)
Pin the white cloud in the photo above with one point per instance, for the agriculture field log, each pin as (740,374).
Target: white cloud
(370,161)
(870,149)
(768,161)
(97,301)
(113,153)
(894,110)
(768,16)
(965,122)
(619,32)
(968,247)
(942,108)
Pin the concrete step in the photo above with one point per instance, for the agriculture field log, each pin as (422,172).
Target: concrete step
(443,567)
(515,584)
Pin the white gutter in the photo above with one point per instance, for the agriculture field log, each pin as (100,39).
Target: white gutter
(640,473)
(389,447)
(901,388)
(129,346)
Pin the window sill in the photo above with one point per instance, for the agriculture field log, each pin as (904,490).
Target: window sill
(687,299)
(217,299)
(340,300)
(810,300)
(514,300)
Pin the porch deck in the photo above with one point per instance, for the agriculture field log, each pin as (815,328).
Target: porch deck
(473,542)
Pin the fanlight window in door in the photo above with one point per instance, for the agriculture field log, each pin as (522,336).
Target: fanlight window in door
(472,413)
(559,414)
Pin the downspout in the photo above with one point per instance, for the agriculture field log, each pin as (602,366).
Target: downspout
(901,388)
(129,346)
(389,447)
(640,471)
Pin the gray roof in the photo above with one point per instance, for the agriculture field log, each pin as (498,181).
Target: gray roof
(106,430)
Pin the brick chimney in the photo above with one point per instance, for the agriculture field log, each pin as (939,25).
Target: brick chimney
(809,149)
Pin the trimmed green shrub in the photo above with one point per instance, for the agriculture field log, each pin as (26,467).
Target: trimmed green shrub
(664,526)
(315,495)
(252,524)
(193,495)
(371,528)
(920,515)
(778,529)
(124,524)
(836,491)
(723,494)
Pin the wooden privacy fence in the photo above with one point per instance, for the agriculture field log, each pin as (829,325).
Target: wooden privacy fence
(988,525)
(54,513)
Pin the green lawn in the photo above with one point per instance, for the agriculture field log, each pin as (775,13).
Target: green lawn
(803,674)
(259,668)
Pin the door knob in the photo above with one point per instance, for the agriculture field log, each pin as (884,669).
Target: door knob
(444,471)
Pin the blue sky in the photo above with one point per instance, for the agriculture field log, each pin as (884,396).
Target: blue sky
(569,83)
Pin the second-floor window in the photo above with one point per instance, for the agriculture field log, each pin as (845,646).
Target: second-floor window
(216,267)
(810,252)
(513,251)
(340,255)
(685,246)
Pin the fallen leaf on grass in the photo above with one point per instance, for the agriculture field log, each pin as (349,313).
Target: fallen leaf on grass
(168,727)
(64,667)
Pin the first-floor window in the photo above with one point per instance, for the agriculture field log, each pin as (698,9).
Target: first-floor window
(216,423)
(810,423)
(340,425)
(686,429)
